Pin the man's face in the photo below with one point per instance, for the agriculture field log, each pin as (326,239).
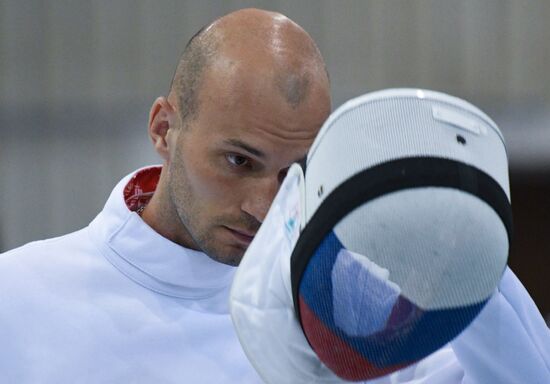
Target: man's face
(228,162)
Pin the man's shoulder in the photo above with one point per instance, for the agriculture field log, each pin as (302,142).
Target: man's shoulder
(42,275)
(47,254)
(69,240)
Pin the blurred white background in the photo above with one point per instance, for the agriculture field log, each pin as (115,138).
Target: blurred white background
(77,79)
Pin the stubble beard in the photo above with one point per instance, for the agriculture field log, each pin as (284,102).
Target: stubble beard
(201,233)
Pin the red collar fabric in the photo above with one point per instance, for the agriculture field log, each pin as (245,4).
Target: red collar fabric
(141,187)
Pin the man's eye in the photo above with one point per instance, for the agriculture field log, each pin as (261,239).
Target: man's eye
(237,160)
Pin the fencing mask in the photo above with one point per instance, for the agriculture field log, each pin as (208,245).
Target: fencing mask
(384,249)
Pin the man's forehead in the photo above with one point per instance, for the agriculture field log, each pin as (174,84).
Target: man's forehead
(253,108)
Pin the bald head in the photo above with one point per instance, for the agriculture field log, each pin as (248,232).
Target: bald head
(251,92)
(250,42)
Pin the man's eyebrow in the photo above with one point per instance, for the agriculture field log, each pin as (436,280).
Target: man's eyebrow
(246,147)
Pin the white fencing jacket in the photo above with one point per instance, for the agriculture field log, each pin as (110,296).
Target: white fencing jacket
(116,303)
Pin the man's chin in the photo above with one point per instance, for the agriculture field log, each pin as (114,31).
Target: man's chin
(230,255)
(226,246)
(233,261)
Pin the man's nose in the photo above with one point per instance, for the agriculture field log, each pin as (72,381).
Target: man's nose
(259,197)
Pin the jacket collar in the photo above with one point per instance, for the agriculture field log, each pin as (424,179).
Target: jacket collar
(151,260)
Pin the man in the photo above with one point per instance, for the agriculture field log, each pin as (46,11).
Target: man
(141,294)
(226,148)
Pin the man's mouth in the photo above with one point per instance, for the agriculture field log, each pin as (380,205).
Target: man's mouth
(243,236)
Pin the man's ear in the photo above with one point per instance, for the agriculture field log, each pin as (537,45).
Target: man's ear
(162,117)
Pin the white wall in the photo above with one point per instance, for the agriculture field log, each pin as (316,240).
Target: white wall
(77,79)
